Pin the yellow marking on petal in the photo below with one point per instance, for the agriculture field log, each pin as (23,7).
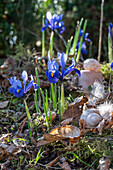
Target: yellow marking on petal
(36,83)
(18,91)
(77,68)
(43,26)
(51,74)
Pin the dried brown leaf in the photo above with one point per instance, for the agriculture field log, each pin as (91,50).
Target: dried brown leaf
(66,121)
(42,142)
(64,165)
(104,163)
(74,110)
(8,150)
(3,104)
(64,132)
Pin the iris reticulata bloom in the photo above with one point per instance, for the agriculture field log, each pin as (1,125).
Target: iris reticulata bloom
(83,47)
(16,86)
(110,30)
(53,22)
(85,35)
(111,65)
(53,72)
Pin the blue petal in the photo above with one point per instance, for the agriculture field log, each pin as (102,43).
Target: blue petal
(17,83)
(46,22)
(43,28)
(20,93)
(83,47)
(36,87)
(77,72)
(111,65)
(12,80)
(54,78)
(81,32)
(49,16)
(61,24)
(62,60)
(11,90)
(53,65)
(60,17)
(24,75)
(28,87)
(62,29)
(68,70)
(55,17)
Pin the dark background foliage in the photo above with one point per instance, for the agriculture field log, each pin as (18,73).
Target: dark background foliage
(20,21)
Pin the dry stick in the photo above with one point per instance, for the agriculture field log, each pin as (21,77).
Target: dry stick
(100,35)
(32,33)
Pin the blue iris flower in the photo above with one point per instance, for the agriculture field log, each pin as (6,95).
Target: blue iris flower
(85,35)
(16,86)
(110,30)
(83,47)
(53,72)
(111,65)
(53,22)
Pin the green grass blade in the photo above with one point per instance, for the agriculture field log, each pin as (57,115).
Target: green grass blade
(68,46)
(81,40)
(47,106)
(80,159)
(36,72)
(29,119)
(38,156)
(50,116)
(72,51)
(45,111)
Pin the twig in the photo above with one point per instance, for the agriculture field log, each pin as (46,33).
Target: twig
(60,36)
(100,35)
(32,33)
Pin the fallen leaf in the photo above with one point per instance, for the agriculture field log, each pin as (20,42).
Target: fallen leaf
(104,163)
(3,104)
(64,165)
(66,121)
(74,110)
(6,150)
(64,132)
(67,131)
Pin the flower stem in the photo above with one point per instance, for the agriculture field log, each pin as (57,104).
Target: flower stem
(110,50)
(29,119)
(51,44)
(38,85)
(36,102)
(59,103)
(62,98)
(53,95)
(43,39)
